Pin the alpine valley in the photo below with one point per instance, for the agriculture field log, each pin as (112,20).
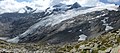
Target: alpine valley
(61,28)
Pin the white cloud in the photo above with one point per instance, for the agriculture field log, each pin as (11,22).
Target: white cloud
(113,0)
(85,2)
(13,5)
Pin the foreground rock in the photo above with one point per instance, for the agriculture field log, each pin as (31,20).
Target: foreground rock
(109,42)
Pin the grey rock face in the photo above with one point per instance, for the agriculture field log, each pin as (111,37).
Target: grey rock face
(67,31)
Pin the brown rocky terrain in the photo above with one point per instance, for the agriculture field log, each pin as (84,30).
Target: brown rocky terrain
(70,30)
(106,43)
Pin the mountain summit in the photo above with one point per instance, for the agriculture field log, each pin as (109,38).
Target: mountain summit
(75,5)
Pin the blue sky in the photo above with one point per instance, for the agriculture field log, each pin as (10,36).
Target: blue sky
(24,0)
(105,1)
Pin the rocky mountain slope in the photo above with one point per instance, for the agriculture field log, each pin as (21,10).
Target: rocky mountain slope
(106,43)
(61,28)
(58,25)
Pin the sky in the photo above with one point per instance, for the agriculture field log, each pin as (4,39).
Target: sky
(105,1)
(24,0)
(111,1)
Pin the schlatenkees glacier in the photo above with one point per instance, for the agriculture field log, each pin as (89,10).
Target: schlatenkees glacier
(54,17)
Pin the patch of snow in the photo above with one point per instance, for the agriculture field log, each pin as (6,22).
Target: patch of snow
(3,38)
(93,18)
(80,30)
(100,15)
(106,24)
(71,21)
(108,28)
(14,40)
(21,11)
(70,31)
(104,20)
(82,37)
(90,21)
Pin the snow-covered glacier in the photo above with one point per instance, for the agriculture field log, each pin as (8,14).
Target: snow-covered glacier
(55,19)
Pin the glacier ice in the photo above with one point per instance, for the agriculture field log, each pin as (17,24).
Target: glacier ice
(58,18)
(41,5)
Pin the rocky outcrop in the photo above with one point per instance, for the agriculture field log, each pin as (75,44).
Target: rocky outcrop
(107,43)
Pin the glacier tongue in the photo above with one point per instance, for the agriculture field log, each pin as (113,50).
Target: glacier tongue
(58,18)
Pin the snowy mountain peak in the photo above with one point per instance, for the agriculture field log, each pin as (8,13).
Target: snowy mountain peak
(9,6)
(76,5)
(27,9)
(58,5)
